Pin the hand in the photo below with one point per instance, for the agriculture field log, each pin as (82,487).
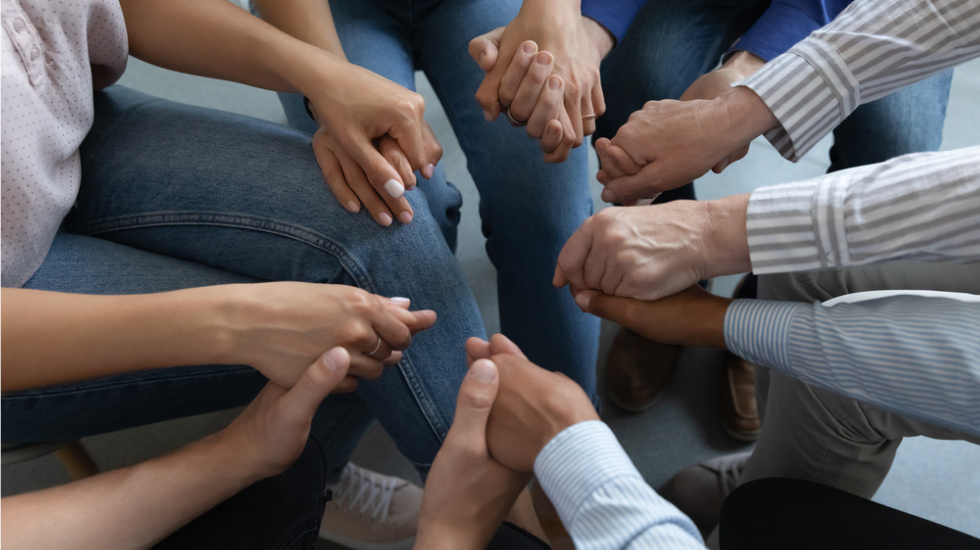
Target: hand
(279,328)
(577,45)
(676,142)
(533,405)
(354,110)
(468,493)
(272,431)
(692,317)
(654,251)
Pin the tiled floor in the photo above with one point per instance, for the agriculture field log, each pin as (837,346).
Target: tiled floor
(936,480)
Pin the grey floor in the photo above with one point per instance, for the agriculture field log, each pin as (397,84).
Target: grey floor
(934,479)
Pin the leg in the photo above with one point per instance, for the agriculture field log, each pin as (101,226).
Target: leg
(528,208)
(256,205)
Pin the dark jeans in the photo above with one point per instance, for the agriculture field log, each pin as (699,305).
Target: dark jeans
(779,513)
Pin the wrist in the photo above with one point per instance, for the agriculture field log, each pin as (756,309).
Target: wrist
(726,240)
(226,313)
(748,117)
(599,36)
(744,63)
(239,466)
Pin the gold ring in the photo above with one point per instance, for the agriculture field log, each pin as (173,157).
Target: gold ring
(377,347)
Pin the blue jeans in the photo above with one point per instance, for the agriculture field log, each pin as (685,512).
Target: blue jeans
(673,42)
(528,208)
(174,196)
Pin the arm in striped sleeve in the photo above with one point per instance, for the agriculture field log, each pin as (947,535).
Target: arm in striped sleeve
(924,206)
(602,499)
(873,48)
(912,355)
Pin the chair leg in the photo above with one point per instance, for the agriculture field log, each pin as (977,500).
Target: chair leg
(76,461)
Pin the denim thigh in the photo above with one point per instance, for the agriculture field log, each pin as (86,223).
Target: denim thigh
(247,197)
(528,208)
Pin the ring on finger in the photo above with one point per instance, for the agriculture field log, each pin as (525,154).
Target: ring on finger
(513,121)
(377,347)
(588,117)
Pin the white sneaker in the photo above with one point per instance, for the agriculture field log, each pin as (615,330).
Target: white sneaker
(370,511)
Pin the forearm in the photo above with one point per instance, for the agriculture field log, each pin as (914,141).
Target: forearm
(53,337)
(308,20)
(867,52)
(217,39)
(912,355)
(918,207)
(134,507)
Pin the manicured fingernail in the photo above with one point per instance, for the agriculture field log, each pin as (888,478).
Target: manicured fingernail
(484,371)
(405,217)
(543,59)
(400,299)
(333,359)
(394,188)
(582,301)
(353,206)
(529,47)
(554,83)
(430,170)
(487,115)
(385,219)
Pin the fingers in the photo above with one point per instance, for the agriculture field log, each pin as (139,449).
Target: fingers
(733,157)
(515,73)
(529,90)
(483,49)
(377,199)
(347,385)
(433,151)
(500,344)
(333,174)
(477,348)
(573,106)
(567,140)
(476,396)
(390,150)
(322,377)
(571,259)
(588,116)
(644,184)
(616,162)
(367,366)
(546,113)
(486,94)
(392,331)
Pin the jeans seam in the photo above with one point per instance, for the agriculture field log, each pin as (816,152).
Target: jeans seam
(303,235)
(53,392)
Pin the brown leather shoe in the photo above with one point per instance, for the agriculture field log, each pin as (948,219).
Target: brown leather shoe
(637,370)
(739,408)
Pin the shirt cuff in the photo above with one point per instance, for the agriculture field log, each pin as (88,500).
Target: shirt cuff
(810,90)
(578,461)
(775,32)
(616,17)
(759,331)
(798,226)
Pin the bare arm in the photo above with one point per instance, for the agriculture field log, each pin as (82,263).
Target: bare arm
(308,20)
(137,507)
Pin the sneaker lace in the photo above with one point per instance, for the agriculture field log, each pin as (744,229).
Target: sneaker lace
(729,472)
(365,490)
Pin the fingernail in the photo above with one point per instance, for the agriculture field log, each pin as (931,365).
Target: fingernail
(543,59)
(554,83)
(405,217)
(353,206)
(394,188)
(484,371)
(487,115)
(385,219)
(529,48)
(430,170)
(400,300)
(479,61)
(582,301)
(331,359)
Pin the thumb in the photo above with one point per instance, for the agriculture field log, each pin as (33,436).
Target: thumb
(483,49)
(320,378)
(476,396)
(606,306)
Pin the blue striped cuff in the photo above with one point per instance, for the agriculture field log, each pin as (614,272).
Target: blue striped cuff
(577,462)
(758,331)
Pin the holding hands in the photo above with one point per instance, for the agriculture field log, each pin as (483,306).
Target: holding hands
(670,143)
(545,40)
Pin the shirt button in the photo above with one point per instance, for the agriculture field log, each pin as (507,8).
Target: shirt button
(831,257)
(35,53)
(18,26)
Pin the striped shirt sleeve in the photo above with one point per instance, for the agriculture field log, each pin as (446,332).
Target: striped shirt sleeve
(873,48)
(924,207)
(603,500)
(915,356)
